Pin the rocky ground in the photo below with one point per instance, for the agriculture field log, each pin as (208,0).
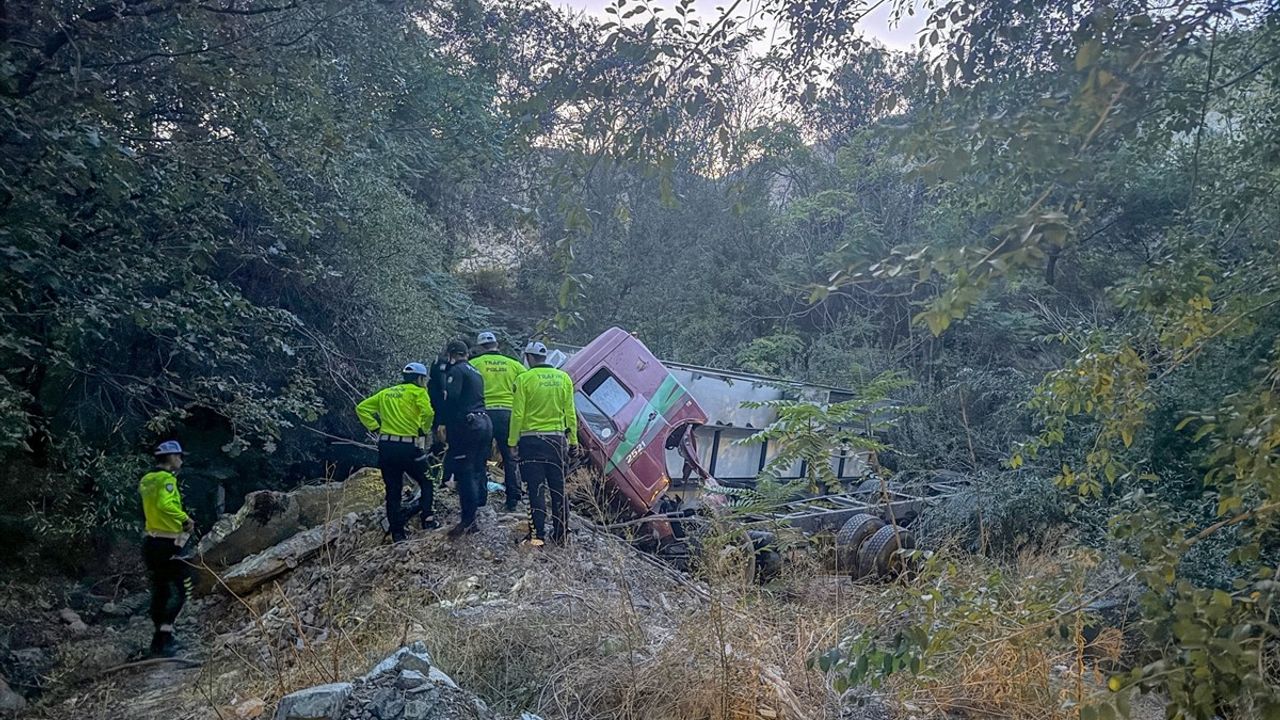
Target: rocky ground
(595,629)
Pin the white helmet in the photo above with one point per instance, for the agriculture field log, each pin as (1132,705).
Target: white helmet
(486,337)
(536,349)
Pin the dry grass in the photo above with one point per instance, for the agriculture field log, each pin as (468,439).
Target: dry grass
(599,631)
(1000,644)
(591,631)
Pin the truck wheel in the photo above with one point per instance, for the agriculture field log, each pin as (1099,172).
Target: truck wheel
(768,561)
(851,536)
(877,556)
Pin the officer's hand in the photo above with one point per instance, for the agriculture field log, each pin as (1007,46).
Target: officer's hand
(437,449)
(189,525)
(515,453)
(577,452)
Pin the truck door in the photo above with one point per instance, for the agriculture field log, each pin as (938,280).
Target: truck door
(641,427)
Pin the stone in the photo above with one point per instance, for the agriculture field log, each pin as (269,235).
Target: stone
(322,702)
(438,676)
(386,704)
(529,716)
(29,667)
(113,610)
(418,709)
(248,709)
(319,504)
(413,657)
(78,626)
(279,559)
(267,517)
(411,679)
(69,616)
(10,701)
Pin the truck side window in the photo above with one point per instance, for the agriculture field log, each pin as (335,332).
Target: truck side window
(595,418)
(606,392)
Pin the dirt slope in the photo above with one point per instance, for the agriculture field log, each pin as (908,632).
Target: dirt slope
(593,630)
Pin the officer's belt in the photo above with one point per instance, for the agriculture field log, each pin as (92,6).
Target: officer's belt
(397,438)
(542,433)
(179,539)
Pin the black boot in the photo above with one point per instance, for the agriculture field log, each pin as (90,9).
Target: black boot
(163,645)
(459,530)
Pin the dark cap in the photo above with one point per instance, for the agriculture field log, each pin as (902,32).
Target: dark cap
(457,347)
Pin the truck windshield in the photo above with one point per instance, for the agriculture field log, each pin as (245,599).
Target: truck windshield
(606,392)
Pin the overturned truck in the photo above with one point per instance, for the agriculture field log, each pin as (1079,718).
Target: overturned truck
(661,459)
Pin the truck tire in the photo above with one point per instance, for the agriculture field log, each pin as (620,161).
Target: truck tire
(851,536)
(767,561)
(877,558)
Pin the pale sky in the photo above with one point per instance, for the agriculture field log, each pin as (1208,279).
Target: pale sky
(900,36)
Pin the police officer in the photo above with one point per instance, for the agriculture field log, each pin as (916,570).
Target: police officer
(438,462)
(499,372)
(468,432)
(544,429)
(168,527)
(402,416)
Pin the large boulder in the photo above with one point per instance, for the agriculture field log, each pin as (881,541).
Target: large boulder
(279,559)
(323,702)
(269,517)
(266,518)
(319,504)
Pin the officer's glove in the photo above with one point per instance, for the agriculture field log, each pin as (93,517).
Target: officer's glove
(189,525)
(515,453)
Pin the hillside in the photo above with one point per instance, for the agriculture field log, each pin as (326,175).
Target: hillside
(591,630)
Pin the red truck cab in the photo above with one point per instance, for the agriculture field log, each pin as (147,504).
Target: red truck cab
(631,410)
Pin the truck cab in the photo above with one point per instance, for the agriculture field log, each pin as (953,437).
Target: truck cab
(631,411)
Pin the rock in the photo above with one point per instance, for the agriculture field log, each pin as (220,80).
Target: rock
(78,626)
(69,616)
(322,702)
(29,667)
(413,657)
(248,709)
(386,704)
(10,701)
(113,610)
(411,679)
(319,504)
(279,559)
(270,518)
(438,676)
(267,518)
(418,710)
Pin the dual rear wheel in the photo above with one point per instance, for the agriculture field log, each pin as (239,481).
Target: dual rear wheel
(867,547)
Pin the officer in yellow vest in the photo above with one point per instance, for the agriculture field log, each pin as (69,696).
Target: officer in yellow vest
(168,527)
(544,429)
(500,372)
(402,416)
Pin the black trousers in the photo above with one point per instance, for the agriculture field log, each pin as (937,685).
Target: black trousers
(542,462)
(395,460)
(170,579)
(469,442)
(501,419)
